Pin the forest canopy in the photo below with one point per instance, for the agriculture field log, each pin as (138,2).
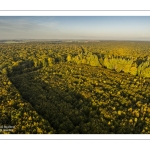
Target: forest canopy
(99,87)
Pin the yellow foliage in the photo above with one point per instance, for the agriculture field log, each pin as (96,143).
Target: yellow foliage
(130,121)
(133,71)
(119,112)
(30,118)
(39,130)
(135,119)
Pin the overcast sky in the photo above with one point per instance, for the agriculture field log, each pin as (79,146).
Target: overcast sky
(71,27)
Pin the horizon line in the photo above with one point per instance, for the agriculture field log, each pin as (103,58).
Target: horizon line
(72,40)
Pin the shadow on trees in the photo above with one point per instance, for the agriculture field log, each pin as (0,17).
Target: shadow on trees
(66,110)
(22,67)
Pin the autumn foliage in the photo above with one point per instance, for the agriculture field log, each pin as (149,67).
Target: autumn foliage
(76,87)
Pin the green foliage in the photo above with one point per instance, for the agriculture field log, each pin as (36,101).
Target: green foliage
(88,88)
(144,69)
(146,72)
(118,64)
(87,58)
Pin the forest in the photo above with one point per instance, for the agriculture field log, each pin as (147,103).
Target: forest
(75,87)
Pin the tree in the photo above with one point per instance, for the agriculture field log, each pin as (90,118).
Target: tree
(133,71)
(68,58)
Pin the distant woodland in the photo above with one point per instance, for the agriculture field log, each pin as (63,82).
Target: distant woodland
(77,87)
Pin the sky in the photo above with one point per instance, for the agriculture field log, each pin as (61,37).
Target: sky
(75,27)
